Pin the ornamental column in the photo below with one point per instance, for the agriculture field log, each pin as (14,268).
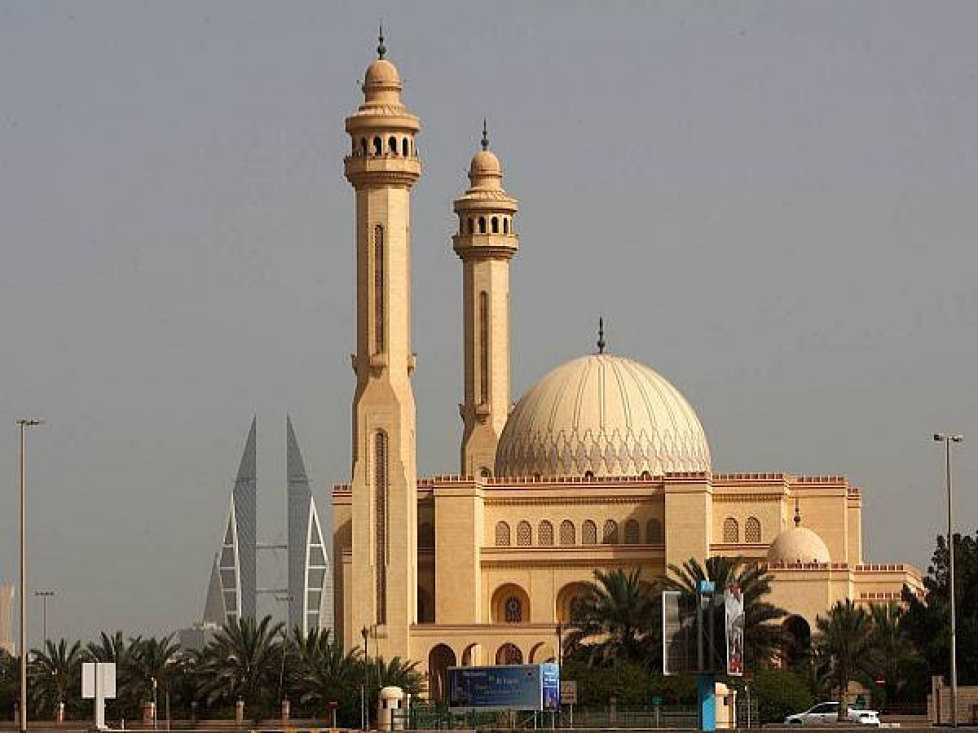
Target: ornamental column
(486,241)
(382,167)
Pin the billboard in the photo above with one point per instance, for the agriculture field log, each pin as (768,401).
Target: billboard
(734,619)
(700,633)
(508,687)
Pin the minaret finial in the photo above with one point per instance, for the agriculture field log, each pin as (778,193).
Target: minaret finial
(797,514)
(485,135)
(601,342)
(381,48)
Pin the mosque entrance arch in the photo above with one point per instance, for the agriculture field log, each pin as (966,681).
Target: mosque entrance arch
(799,639)
(440,658)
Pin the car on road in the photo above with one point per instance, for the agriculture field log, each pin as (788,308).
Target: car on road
(826,713)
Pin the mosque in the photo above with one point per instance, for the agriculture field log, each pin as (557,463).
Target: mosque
(602,464)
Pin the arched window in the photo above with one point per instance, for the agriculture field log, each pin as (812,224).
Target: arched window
(482,225)
(524,534)
(495,225)
(363,146)
(513,610)
(509,654)
(379,289)
(545,533)
(752,530)
(631,532)
(502,534)
(505,225)
(426,535)
(610,534)
(484,347)
(378,146)
(380,522)
(568,536)
(653,532)
(404,147)
(485,472)
(589,533)
(731,530)
(392,144)
(589,475)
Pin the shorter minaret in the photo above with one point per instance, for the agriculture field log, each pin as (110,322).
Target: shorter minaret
(486,241)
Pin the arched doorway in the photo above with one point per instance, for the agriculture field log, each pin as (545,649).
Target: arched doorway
(799,639)
(440,658)
(542,652)
(472,655)
(509,653)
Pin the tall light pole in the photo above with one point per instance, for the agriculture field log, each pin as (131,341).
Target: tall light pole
(44,595)
(947,439)
(24,423)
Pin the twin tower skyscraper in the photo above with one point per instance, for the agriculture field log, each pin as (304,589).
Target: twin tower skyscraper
(233,590)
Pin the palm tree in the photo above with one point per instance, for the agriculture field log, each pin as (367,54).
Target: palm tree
(894,647)
(243,661)
(763,636)
(615,619)
(844,648)
(55,673)
(397,673)
(114,648)
(152,662)
(322,671)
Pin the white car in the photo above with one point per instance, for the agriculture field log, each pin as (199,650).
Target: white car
(826,713)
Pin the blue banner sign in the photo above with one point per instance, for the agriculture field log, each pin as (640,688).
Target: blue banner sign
(509,687)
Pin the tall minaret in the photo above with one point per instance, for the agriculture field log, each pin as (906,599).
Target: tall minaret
(382,167)
(486,241)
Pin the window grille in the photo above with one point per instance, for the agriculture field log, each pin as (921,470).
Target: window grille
(524,534)
(502,534)
(631,532)
(610,534)
(568,536)
(545,533)
(752,530)
(589,533)
(380,523)
(653,532)
(731,530)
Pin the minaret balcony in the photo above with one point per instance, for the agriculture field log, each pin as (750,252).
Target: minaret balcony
(382,170)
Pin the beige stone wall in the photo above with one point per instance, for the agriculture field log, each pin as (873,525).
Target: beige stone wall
(688,518)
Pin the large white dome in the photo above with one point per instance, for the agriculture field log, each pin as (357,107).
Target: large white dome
(604,415)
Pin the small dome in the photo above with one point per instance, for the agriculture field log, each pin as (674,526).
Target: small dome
(485,163)
(382,73)
(602,415)
(798,545)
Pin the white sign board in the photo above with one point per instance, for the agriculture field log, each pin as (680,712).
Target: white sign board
(98,680)
(568,692)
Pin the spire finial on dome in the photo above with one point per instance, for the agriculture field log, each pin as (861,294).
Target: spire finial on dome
(381,48)
(601,341)
(485,135)
(797,514)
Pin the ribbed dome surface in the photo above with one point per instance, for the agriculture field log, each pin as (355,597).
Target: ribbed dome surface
(798,545)
(602,414)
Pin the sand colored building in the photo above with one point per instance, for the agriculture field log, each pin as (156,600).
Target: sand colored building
(602,464)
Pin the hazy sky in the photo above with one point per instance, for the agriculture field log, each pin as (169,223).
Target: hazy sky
(773,205)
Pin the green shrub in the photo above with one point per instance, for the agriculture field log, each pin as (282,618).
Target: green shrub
(779,693)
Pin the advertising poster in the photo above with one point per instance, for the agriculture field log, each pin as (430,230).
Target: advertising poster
(733,604)
(509,687)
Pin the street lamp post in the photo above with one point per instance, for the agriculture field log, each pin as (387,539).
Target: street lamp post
(947,439)
(24,424)
(364,711)
(44,595)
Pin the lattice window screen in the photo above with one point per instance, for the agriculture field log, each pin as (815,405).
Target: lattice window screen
(380,523)
(524,534)
(379,289)
(545,533)
(502,534)
(631,532)
(610,534)
(568,536)
(752,530)
(653,532)
(589,533)
(731,530)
